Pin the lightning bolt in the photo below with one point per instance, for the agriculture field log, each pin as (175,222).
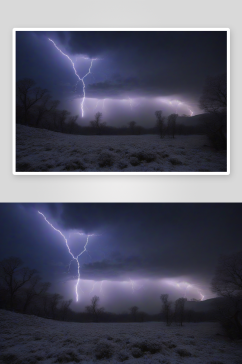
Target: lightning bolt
(69,250)
(103,103)
(101,287)
(97,104)
(94,284)
(132,284)
(191,112)
(79,78)
(130,103)
(202,296)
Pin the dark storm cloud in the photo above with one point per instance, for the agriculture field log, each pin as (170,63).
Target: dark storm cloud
(93,218)
(159,240)
(131,242)
(154,239)
(165,62)
(112,269)
(156,63)
(115,86)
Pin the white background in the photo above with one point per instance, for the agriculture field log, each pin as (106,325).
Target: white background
(120,14)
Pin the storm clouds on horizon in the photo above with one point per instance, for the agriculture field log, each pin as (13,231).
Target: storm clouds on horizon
(134,251)
(134,73)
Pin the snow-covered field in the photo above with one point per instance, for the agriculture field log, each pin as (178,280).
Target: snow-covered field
(40,150)
(30,339)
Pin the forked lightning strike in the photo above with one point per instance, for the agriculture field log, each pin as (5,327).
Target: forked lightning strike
(79,78)
(69,250)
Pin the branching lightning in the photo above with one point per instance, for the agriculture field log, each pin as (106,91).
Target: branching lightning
(79,78)
(69,250)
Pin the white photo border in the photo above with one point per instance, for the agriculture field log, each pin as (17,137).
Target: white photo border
(115,173)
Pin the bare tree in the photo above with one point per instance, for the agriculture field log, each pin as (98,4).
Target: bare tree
(132,125)
(71,123)
(34,289)
(65,308)
(96,124)
(142,316)
(44,305)
(13,277)
(45,107)
(133,311)
(171,124)
(214,102)
(94,310)
(54,302)
(28,96)
(214,96)
(62,118)
(160,120)
(166,308)
(227,283)
(179,309)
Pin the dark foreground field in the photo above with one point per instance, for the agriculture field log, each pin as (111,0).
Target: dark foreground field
(30,339)
(40,150)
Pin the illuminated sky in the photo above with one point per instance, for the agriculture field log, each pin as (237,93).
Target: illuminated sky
(137,251)
(133,74)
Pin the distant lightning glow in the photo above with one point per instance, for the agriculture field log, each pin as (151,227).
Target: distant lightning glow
(79,78)
(69,250)
(178,104)
(184,286)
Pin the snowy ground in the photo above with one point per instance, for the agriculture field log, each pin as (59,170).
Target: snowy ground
(30,339)
(40,150)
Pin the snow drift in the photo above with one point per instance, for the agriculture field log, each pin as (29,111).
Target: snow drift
(31,339)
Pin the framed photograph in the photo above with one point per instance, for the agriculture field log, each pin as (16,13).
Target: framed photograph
(121,101)
(121,282)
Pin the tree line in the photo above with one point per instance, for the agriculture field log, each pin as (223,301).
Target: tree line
(35,107)
(22,290)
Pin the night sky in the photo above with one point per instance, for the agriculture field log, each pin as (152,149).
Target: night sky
(134,253)
(133,73)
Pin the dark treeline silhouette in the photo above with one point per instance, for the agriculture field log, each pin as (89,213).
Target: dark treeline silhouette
(227,284)
(35,107)
(22,290)
(214,102)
